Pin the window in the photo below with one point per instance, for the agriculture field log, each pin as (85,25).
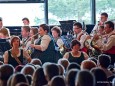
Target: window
(60,10)
(107,6)
(12,13)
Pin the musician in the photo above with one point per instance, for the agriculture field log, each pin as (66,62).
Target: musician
(33,37)
(26,21)
(108,41)
(25,32)
(44,48)
(103,19)
(15,56)
(80,35)
(56,33)
(75,55)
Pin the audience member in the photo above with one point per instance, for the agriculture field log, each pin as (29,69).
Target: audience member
(85,78)
(75,55)
(15,56)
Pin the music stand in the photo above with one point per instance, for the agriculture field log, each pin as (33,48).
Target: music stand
(67,26)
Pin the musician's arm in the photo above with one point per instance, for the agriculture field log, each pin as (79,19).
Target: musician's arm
(44,43)
(109,44)
(85,55)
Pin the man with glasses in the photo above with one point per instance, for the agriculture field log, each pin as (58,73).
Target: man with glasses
(108,41)
(79,34)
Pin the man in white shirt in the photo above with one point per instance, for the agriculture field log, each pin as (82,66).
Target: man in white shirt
(79,34)
(103,19)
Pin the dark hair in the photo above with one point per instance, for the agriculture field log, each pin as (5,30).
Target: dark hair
(111,24)
(85,78)
(25,18)
(78,24)
(73,65)
(104,60)
(105,14)
(58,81)
(39,78)
(14,38)
(57,29)
(45,27)
(70,77)
(75,42)
(6,71)
(100,76)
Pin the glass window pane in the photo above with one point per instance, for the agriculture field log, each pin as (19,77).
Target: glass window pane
(13,13)
(107,6)
(78,10)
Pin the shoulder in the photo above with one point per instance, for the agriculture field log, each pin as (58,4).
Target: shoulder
(66,55)
(85,55)
(46,37)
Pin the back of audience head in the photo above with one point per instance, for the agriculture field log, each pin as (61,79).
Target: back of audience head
(29,78)
(70,77)
(64,63)
(87,64)
(51,70)
(36,62)
(93,59)
(17,78)
(39,78)
(6,71)
(73,65)
(28,69)
(85,78)
(61,69)
(18,68)
(57,81)
(104,60)
(100,77)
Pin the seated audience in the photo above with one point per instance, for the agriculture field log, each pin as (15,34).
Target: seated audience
(104,62)
(15,55)
(70,77)
(57,81)
(100,77)
(75,55)
(39,78)
(18,78)
(5,72)
(85,78)
(87,64)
